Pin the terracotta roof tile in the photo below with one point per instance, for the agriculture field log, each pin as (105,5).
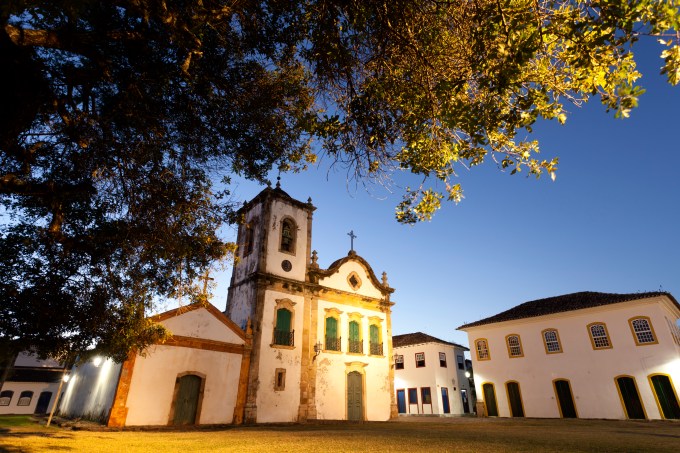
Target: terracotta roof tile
(409,339)
(566,302)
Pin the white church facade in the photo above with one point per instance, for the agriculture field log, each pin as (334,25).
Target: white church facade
(296,342)
(581,355)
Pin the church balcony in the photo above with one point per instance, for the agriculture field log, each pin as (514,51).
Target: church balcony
(284,337)
(376,348)
(356,346)
(333,344)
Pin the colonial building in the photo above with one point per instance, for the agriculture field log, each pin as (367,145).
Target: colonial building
(588,355)
(31,386)
(296,342)
(321,337)
(430,376)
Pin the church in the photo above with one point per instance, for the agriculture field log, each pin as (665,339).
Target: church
(296,342)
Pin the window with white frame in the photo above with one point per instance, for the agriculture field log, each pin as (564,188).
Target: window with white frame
(599,336)
(552,341)
(442,359)
(399,362)
(514,346)
(420,359)
(642,330)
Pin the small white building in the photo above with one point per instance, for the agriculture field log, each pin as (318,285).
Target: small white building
(429,376)
(588,355)
(31,387)
(198,376)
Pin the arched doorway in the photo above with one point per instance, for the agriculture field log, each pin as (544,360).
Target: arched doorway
(355,403)
(665,396)
(632,404)
(490,399)
(514,399)
(188,393)
(565,400)
(43,403)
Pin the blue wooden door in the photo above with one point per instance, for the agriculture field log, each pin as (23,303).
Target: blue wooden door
(401,401)
(445,400)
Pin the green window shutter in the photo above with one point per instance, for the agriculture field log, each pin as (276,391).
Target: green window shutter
(283,320)
(354,331)
(331,328)
(375,337)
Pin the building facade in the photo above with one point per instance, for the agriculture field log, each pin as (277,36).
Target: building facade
(321,337)
(430,376)
(296,342)
(31,387)
(587,355)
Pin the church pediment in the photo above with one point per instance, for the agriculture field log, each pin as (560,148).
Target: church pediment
(352,274)
(201,321)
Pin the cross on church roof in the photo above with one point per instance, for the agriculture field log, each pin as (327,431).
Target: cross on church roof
(352,236)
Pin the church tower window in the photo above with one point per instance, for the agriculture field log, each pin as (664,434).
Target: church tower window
(248,239)
(288,236)
(284,334)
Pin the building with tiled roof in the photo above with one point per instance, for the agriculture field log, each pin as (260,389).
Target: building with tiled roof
(430,376)
(586,354)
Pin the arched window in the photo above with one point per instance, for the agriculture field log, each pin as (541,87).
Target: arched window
(288,235)
(551,341)
(643,333)
(599,337)
(25,398)
(482,348)
(514,346)
(6,397)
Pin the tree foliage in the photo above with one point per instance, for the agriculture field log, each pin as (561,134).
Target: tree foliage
(117,117)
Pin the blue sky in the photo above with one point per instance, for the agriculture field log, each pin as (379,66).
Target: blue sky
(610,222)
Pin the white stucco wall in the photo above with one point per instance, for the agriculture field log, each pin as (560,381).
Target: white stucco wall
(432,375)
(333,367)
(200,323)
(36,387)
(279,405)
(90,390)
(590,372)
(153,383)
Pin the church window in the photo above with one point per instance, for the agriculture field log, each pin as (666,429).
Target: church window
(280,379)
(514,346)
(599,337)
(551,341)
(284,320)
(442,359)
(355,343)
(288,236)
(675,331)
(399,362)
(6,397)
(426,395)
(283,334)
(248,240)
(643,333)
(420,359)
(25,398)
(376,347)
(332,338)
(461,362)
(482,348)
(354,281)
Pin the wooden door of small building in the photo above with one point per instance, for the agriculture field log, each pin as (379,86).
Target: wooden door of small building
(490,400)
(186,400)
(401,401)
(43,403)
(514,399)
(666,396)
(355,404)
(565,398)
(630,397)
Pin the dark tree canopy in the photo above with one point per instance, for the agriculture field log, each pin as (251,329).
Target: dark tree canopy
(116,118)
